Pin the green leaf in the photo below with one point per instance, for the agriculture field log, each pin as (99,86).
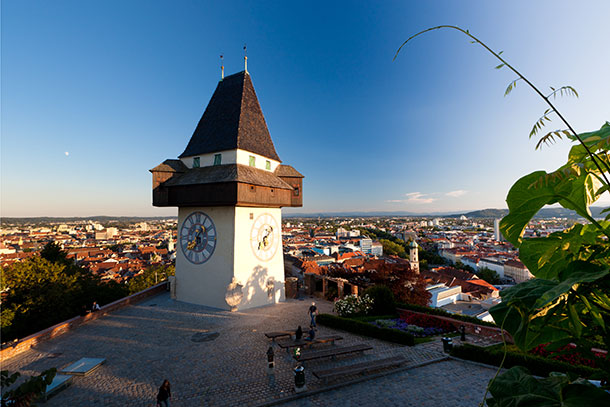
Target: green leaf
(596,140)
(537,311)
(518,388)
(518,313)
(531,193)
(547,257)
(500,66)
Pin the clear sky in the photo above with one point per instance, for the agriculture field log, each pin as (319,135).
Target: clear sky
(94,94)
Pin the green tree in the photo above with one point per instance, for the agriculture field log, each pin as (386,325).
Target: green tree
(383,300)
(462,266)
(42,293)
(149,277)
(55,254)
(391,248)
(488,275)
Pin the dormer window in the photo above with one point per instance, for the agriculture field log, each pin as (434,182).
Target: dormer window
(252,162)
(268,165)
(217,159)
(196,162)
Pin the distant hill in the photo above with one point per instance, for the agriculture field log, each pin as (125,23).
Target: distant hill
(100,219)
(483,213)
(544,213)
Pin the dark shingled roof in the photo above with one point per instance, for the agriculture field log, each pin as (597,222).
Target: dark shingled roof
(170,166)
(233,119)
(287,171)
(228,173)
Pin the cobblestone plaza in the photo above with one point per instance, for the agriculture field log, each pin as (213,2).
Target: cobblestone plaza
(218,358)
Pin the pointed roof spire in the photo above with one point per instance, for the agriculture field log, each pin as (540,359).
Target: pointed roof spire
(245,59)
(232,120)
(222,67)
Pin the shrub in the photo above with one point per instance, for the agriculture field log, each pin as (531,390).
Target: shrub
(383,300)
(536,364)
(353,305)
(366,329)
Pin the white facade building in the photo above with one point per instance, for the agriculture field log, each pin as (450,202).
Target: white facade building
(366,245)
(494,264)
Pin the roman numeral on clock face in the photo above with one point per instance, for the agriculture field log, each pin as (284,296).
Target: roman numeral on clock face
(198,237)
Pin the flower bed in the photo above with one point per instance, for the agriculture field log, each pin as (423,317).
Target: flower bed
(568,354)
(366,329)
(418,326)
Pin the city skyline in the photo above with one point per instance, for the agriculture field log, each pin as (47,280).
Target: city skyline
(95,95)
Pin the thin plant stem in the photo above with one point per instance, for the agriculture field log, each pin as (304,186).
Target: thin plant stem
(591,154)
(482,404)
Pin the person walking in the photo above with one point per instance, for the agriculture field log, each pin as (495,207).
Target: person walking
(313,311)
(164,394)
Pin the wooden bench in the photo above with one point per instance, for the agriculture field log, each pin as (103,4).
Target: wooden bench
(332,352)
(359,368)
(302,343)
(279,334)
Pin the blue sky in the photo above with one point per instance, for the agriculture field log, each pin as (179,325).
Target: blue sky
(121,85)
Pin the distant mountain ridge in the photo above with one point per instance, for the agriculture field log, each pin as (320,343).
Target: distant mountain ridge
(482,213)
(543,213)
(49,219)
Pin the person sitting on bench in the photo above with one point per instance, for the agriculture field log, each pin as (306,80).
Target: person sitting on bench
(312,334)
(298,334)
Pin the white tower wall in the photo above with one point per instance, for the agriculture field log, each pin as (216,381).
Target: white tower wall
(207,283)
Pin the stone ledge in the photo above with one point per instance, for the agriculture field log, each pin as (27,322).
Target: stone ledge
(12,349)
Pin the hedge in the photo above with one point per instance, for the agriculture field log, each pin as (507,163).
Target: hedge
(366,329)
(537,365)
(443,313)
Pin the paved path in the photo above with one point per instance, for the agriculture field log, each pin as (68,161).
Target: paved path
(450,383)
(148,342)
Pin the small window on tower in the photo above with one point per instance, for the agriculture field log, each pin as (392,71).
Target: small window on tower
(268,165)
(296,191)
(196,162)
(217,159)
(252,161)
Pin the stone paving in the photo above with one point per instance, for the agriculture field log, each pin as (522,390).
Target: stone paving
(449,383)
(153,340)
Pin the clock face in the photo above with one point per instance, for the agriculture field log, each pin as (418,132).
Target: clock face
(265,237)
(198,237)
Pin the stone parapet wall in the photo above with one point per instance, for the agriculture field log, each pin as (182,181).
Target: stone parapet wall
(471,328)
(11,349)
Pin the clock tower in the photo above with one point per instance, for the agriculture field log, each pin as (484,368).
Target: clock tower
(229,185)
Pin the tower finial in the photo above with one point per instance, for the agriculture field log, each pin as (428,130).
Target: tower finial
(245,59)
(222,67)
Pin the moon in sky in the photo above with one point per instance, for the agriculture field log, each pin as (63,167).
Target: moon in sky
(67,153)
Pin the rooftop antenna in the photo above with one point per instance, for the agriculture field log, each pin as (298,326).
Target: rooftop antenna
(222,67)
(245,58)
